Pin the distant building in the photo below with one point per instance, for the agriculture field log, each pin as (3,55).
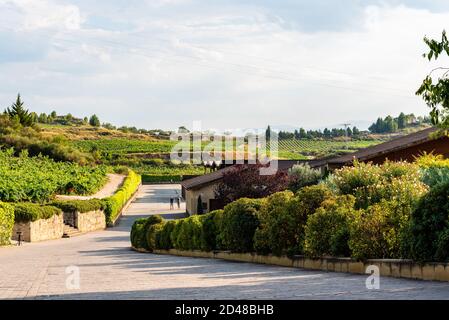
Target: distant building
(205,186)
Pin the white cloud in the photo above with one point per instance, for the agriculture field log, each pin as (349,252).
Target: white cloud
(44,14)
(239,67)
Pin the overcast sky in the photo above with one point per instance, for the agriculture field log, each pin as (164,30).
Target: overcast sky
(229,64)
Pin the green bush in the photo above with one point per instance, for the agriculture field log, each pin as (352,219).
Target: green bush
(25,212)
(429,226)
(303,175)
(139,232)
(137,235)
(163,239)
(80,206)
(209,230)
(371,184)
(379,232)
(176,231)
(327,231)
(156,178)
(189,237)
(6,223)
(155,225)
(277,225)
(115,203)
(283,218)
(239,223)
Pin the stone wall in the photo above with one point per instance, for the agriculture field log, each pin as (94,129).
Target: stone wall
(387,267)
(43,229)
(90,221)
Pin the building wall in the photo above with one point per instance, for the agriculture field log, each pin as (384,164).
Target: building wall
(191,196)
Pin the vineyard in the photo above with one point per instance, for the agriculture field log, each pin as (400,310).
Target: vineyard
(307,149)
(37,179)
(124,146)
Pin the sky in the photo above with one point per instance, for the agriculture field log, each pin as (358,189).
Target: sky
(228,64)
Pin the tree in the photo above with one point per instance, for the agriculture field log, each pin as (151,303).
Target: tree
(94,121)
(268,133)
(402,121)
(245,181)
(53,114)
(20,113)
(42,118)
(199,206)
(436,94)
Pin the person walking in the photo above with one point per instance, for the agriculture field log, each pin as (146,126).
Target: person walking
(171,204)
(178,201)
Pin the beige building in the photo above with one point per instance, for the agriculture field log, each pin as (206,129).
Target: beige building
(204,186)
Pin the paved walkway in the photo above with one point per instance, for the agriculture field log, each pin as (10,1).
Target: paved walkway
(110,270)
(114,182)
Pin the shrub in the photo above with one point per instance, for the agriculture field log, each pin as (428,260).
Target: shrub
(26,212)
(154,226)
(189,237)
(275,232)
(176,231)
(379,231)
(302,175)
(429,226)
(210,229)
(137,235)
(163,239)
(6,223)
(80,206)
(239,223)
(371,184)
(327,231)
(283,218)
(140,229)
(434,168)
(115,203)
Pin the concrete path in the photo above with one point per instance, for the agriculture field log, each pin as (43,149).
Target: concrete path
(108,269)
(114,182)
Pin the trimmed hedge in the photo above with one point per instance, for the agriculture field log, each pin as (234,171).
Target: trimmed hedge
(156,178)
(6,223)
(163,238)
(26,212)
(327,231)
(283,218)
(142,230)
(210,229)
(115,203)
(154,226)
(138,235)
(189,234)
(239,223)
(80,206)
